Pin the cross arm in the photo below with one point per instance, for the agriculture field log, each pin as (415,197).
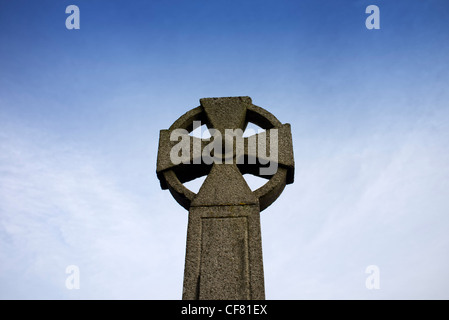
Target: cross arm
(278,156)
(190,167)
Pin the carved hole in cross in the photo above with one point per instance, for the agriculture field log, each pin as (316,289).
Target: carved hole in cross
(195,184)
(252,129)
(201,132)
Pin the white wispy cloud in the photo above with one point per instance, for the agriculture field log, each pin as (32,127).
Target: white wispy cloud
(58,208)
(376,200)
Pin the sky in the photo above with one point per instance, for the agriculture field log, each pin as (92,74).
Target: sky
(81,110)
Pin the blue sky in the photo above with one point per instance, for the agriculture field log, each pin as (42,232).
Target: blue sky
(81,110)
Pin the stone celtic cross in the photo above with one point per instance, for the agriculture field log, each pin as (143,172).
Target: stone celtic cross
(224,249)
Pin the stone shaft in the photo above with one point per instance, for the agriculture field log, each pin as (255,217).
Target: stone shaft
(224,254)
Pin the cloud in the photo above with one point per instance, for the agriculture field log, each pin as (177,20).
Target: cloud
(376,198)
(379,199)
(59,208)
